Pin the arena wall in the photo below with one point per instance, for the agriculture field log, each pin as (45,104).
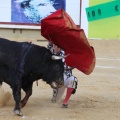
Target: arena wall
(21,34)
(13,14)
(105,28)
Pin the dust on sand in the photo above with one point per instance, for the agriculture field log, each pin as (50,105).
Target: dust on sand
(4,97)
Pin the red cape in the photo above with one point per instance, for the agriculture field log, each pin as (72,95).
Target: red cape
(62,31)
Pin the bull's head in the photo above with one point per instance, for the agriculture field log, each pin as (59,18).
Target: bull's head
(53,69)
(58,83)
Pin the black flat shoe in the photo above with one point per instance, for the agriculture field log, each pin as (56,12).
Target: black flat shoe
(65,106)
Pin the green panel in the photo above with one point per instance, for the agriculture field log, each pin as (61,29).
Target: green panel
(108,28)
(103,10)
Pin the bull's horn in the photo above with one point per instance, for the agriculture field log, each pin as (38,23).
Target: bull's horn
(54,57)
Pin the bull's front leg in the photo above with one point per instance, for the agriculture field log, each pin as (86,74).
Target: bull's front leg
(28,91)
(17,97)
(55,92)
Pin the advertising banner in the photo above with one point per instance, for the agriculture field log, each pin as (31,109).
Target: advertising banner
(33,11)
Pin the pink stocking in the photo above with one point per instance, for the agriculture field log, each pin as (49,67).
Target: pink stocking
(68,94)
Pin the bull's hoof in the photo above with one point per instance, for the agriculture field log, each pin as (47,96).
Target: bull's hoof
(17,112)
(53,100)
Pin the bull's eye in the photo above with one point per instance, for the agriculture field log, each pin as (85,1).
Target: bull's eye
(61,84)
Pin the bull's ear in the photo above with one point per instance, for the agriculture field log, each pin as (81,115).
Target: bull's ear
(54,57)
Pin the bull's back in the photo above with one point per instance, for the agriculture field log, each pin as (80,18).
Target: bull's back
(14,49)
(7,46)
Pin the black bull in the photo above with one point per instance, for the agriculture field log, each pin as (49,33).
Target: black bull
(22,63)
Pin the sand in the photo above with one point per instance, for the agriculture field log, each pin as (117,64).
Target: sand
(97,96)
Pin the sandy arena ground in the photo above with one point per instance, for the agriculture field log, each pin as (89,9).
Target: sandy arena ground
(97,96)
